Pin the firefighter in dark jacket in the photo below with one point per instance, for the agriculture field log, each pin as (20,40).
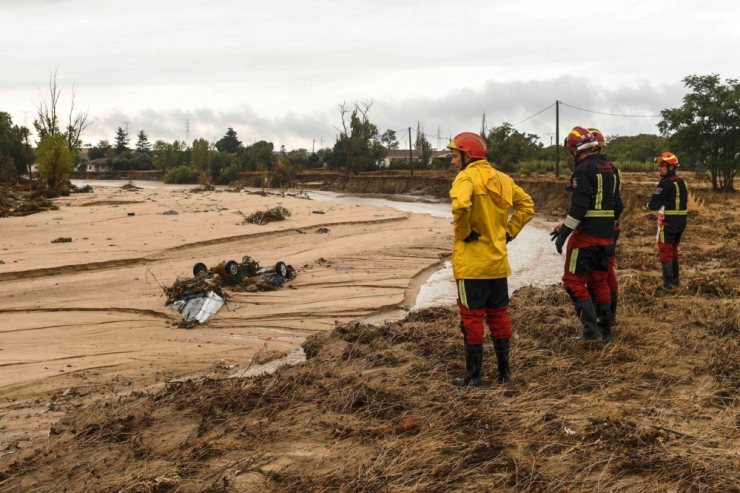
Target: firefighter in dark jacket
(611,279)
(590,226)
(670,200)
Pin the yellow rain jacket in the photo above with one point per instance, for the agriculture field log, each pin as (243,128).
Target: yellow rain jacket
(481,200)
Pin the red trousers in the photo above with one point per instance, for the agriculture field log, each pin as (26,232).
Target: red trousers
(479,300)
(668,252)
(587,266)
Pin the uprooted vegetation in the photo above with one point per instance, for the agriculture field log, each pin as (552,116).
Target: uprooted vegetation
(263,217)
(21,201)
(373,410)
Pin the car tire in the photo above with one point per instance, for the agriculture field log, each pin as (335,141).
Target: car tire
(282,270)
(198,268)
(232,268)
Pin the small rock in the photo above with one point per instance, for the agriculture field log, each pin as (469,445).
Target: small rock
(127,382)
(1,262)
(62,240)
(131,214)
(170,213)
(318,212)
(322,230)
(300,232)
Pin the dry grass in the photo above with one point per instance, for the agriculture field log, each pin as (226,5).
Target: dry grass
(373,410)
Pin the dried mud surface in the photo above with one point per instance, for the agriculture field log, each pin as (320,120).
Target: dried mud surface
(373,410)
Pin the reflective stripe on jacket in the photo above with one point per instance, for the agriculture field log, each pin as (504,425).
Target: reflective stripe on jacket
(481,200)
(595,193)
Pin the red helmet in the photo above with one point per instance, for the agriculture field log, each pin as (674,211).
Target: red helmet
(471,144)
(667,158)
(600,140)
(579,139)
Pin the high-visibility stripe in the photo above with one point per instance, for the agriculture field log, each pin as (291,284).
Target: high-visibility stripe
(463,294)
(571,222)
(678,195)
(573,260)
(619,173)
(599,192)
(606,213)
(676,213)
(662,235)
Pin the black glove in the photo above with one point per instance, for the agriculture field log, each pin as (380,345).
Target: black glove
(473,236)
(562,236)
(508,237)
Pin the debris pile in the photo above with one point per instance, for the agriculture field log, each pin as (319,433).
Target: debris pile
(130,187)
(75,189)
(263,217)
(201,296)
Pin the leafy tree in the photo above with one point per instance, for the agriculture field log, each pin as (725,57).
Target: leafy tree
(423,146)
(642,147)
(258,156)
(14,148)
(389,139)
(220,161)
(507,146)
(55,160)
(121,141)
(297,159)
(706,128)
(200,157)
(229,142)
(47,117)
(358,145)
(167,156)
(100,150)
(142,143)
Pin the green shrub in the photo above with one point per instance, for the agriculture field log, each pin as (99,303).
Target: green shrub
(182,174)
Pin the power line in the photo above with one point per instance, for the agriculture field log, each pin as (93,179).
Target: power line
(609,114)
(529,118)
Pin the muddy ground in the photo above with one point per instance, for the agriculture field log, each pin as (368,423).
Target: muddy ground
(373,410)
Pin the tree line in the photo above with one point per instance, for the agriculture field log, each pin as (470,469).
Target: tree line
(704,130)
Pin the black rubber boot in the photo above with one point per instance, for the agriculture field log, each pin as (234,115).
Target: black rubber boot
(614,308)
(675,273)
(588,317)
(473,363)
(668,275)
(502,357)
(605,315)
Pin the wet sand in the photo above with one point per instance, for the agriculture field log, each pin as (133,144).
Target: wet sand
(89,315)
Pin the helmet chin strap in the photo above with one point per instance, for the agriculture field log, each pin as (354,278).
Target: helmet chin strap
(463,161)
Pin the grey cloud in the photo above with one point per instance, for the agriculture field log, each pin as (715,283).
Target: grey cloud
(457,111)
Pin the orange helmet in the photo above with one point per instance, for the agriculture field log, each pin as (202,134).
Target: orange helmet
(471,144)
(600,140)
(579,139)
(667,158)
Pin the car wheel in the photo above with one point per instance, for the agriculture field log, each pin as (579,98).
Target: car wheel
(281,269)
(198,268)
(232,268)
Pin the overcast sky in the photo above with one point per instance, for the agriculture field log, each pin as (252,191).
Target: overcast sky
(276,70)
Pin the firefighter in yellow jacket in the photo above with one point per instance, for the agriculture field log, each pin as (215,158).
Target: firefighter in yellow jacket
(481,200)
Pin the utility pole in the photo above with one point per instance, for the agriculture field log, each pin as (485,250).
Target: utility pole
(187,132)
(411,155)
(557,138)
(313,146)
(126,123)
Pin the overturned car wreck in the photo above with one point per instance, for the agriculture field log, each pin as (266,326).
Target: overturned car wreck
(200,297)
